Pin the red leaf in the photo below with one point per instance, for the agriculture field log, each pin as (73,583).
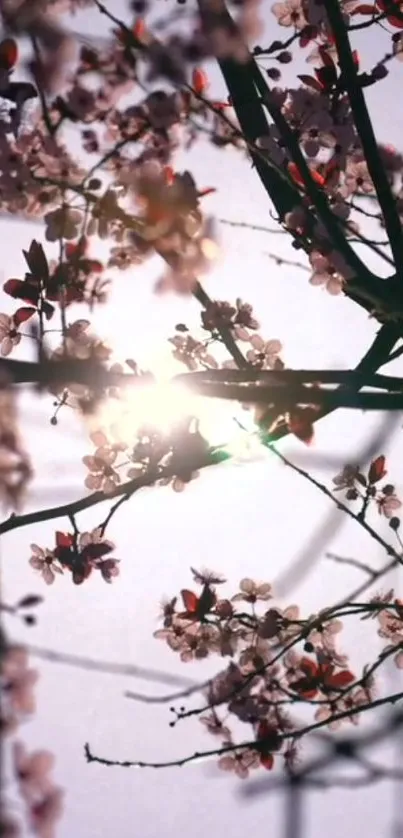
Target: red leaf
(326,76)
(395,21)
(364,9)
(96,551)
(21,290)
(139,29)
(199,81)
(377,469)
(75,249)
(169,175)
(81,572)
(326,58)
(267,761)
(8,53)
(356,58)
(340,679)
(308,34)
(190,601)
(301,425)
(309,667)
(94,265)
(295,173)
(64,539)
(23,314)
(387,6)
(36,261)
(309,81)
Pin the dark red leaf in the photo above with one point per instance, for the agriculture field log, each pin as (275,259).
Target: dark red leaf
(64,539)
(377,469)
(81,571)
(364,9)
(94,266)
(326,76)
(326,58)
(307,35)
(309,81)
(21,290)
(269,734)
(23,314)
(95,551)
(267,761)
(8,53)
(190,601)
(300,424)
(340,679)
(36,261)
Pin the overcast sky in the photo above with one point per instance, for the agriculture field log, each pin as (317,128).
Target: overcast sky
(240,519)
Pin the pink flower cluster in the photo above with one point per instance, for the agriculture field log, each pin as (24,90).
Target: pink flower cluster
(357,486)
(277,661)
(79,554)
(42,799)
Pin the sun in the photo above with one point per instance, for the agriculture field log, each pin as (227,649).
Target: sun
(165,403)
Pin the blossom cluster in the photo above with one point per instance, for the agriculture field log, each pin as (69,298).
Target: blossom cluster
(15,466)
(358,486)
(279,661)
(42,799)
(78,554)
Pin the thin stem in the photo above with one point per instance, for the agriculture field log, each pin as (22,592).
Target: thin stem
(299,734)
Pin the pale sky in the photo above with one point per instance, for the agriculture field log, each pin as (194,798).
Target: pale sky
(240,519)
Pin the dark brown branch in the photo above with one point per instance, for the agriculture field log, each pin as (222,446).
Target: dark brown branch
(296,734)
(366,133)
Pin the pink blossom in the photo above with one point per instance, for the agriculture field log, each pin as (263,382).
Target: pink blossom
(33,771)
(251,591)
(215,726)
(9,336)
(241,762)
(102,475)
(290,13)
(347,477)
(388,504)
(264,353)
(19,680)
(357,179)
(44,560)
(46,812)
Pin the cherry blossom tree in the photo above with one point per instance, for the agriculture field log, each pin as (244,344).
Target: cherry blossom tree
(90,130)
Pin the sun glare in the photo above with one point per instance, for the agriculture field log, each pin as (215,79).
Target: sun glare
(165,403)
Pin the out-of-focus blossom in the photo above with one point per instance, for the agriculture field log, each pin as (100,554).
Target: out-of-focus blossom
(251,591)
(9,335)
(241,762)
(45,562)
